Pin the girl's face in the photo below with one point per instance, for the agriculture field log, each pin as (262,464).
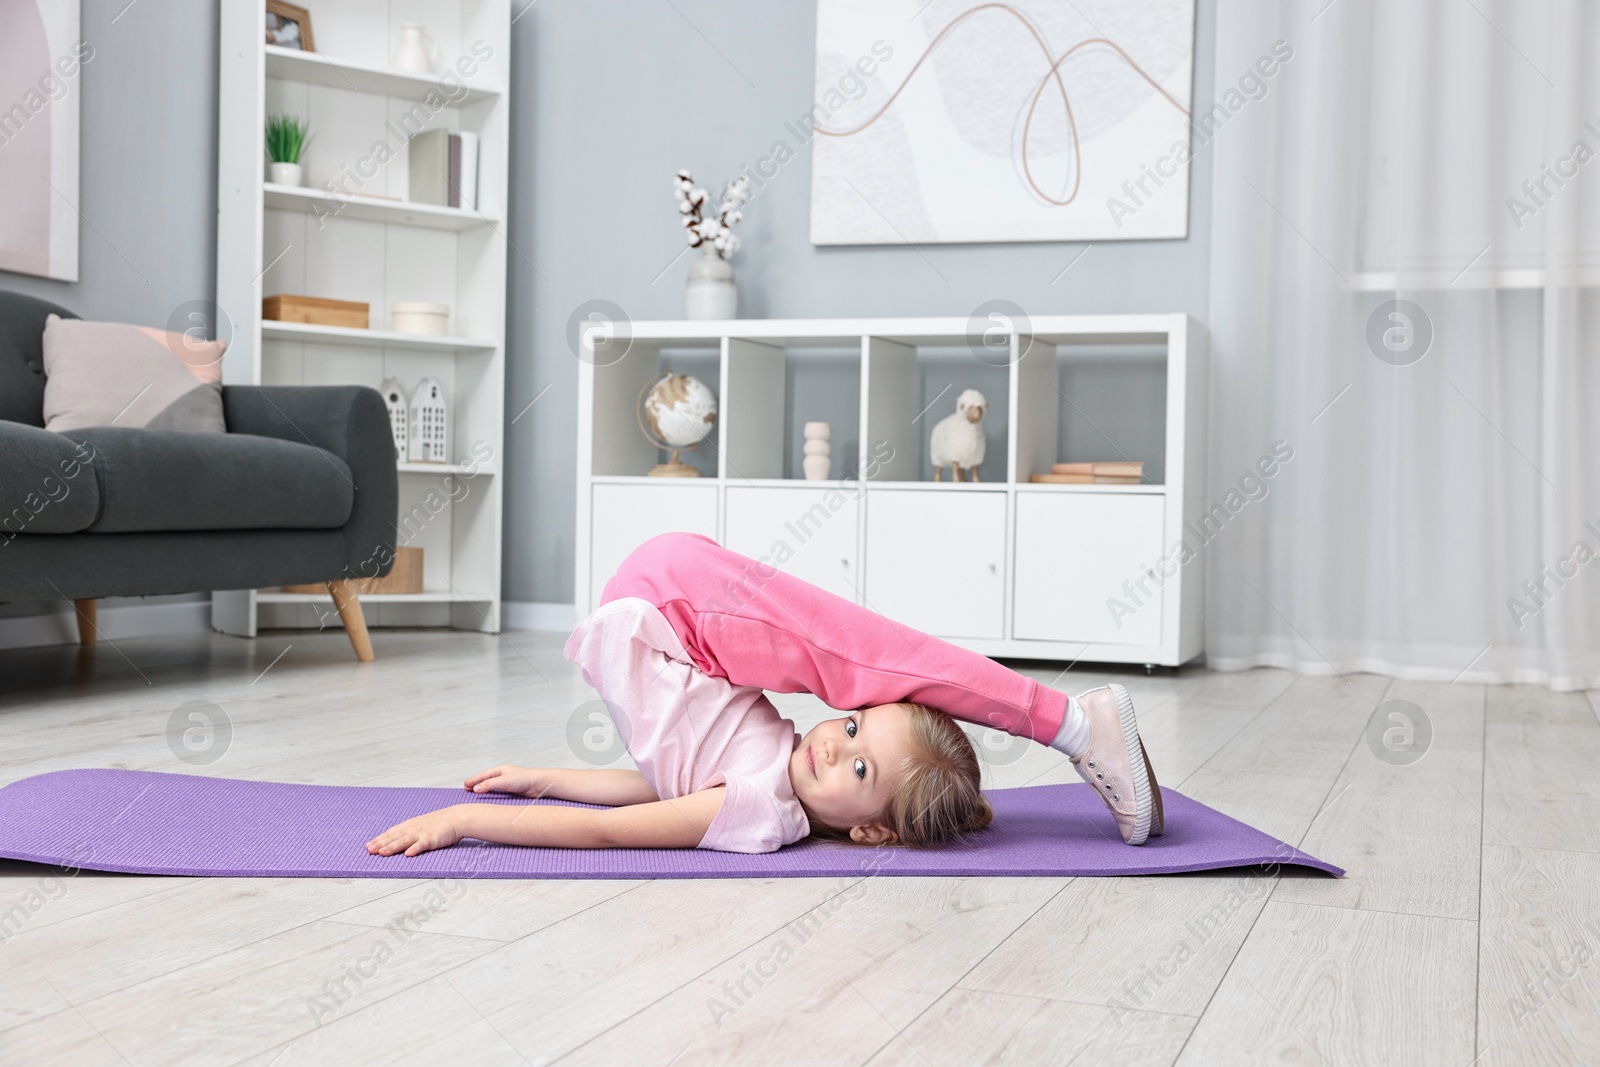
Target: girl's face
(845,770)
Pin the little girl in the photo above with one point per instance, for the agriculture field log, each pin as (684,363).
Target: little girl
(689,635)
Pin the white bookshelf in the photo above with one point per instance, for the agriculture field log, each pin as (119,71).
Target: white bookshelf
(318,600)
(475,470)
(1004,566)
(351,233)
(300,331)
(374,77)
(323,204)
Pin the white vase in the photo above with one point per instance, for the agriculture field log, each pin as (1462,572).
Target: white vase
(818,463)
(710,292)
(285,173)
(417,50)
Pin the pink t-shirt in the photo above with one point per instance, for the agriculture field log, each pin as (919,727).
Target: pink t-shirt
(688,731)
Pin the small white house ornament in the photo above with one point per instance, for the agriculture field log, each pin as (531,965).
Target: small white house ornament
(429,434)
(394,398)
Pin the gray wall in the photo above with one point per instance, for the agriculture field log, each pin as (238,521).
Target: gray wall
(148,195)
(148,187)
(609,100)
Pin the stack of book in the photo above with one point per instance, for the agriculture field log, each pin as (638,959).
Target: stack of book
(1120,472)
(444,169)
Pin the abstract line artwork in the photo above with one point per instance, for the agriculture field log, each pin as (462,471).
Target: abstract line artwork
(1050,120)
(41,56)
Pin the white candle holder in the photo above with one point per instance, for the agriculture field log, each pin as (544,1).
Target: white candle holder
(818,463)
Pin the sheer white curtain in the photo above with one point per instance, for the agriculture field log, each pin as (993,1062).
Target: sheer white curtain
(1405,253)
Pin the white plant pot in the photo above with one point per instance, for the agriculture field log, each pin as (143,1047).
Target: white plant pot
(710,292)
(285,173)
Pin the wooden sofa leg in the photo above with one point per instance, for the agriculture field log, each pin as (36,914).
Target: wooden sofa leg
(88,615)
(355,623)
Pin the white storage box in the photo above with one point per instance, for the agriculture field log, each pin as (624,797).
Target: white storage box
(419,316)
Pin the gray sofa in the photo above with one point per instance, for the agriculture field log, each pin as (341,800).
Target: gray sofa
(301,489)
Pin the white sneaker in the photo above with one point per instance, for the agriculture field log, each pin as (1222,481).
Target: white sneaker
(1117,765)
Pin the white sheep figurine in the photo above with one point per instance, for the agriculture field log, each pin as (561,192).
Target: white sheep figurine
(958,439)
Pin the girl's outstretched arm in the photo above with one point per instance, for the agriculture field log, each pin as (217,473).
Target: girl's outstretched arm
(680,823)
(602,786)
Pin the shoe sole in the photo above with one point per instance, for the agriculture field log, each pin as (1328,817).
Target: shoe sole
(1148,817)
(1158,817)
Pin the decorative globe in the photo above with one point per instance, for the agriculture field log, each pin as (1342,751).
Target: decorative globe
(677,411)
(681,410)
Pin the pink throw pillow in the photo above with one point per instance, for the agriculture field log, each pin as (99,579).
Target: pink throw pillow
(115,374)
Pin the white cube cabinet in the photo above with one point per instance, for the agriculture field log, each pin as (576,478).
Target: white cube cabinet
(1086,557)
(1006,566)
(938,560)
(803,530)
(625,516)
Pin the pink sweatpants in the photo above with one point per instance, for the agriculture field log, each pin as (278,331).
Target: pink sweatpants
(752,624)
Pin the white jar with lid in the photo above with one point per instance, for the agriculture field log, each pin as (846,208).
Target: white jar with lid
(419,316)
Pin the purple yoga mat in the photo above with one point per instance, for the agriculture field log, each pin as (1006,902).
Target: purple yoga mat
(143,822)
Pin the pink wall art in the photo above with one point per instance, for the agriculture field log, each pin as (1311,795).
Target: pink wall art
(41,61)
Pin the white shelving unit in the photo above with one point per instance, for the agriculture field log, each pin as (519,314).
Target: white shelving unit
(375,77)
(1005,567)
(317,599)
(323,204)
(351,233)
(300,331)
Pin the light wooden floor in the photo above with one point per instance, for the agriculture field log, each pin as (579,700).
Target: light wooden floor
(1468,930)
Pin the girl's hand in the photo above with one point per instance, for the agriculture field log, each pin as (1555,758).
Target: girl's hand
(416,836)
(523,781)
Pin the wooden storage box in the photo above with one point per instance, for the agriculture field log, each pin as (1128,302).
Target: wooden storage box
(316,311)
(405,577)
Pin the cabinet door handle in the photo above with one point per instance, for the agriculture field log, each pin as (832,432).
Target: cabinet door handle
(993,569)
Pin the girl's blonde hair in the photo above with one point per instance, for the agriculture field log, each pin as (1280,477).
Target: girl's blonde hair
(938,797)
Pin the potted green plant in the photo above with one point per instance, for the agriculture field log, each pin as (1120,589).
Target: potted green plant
(286,139)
